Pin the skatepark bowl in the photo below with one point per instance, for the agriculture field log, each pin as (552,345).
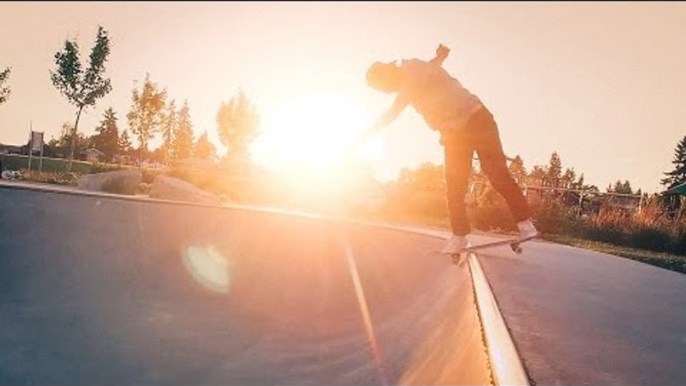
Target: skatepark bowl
(97,289)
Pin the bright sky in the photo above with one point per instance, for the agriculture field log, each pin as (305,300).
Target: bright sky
(604,84)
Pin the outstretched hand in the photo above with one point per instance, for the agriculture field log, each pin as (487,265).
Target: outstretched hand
(442,52)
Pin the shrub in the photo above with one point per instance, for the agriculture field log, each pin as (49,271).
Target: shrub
(495,218)
(56,178)
(104,168)
(652,238)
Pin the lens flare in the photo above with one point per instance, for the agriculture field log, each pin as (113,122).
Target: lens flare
(208,267)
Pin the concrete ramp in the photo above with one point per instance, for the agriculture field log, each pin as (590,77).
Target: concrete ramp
(102,290)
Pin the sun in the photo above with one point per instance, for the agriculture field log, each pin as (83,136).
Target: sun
(313,133)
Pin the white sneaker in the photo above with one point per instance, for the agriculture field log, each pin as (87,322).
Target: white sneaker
(455,244)
(527,230)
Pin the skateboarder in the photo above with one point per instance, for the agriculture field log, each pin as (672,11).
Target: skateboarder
(466,126)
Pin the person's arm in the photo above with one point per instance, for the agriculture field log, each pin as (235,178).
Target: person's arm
(441,53)
(391,114)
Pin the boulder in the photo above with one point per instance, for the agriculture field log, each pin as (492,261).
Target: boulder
(169,188)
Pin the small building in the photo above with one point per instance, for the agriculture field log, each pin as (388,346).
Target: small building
(93,155)
(10,149)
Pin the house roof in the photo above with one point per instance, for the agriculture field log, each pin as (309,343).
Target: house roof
(93,150)
(679,189)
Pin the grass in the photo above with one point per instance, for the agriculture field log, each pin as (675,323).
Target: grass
(54,170)
(50,165)
(669,261)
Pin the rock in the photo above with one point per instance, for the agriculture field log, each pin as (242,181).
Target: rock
(120,182)
(169,188)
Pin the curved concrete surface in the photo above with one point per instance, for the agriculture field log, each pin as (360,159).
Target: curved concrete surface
(580,317)
(99,290)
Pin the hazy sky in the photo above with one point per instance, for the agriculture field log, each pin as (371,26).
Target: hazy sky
(604,84)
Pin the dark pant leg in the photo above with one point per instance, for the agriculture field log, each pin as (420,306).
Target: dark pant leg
(490,151)
(458,167)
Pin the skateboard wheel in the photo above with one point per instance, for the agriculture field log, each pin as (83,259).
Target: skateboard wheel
(459,259)
(517,249)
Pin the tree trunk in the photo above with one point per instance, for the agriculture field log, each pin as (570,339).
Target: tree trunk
(73,139)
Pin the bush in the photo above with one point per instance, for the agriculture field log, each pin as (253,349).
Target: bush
(495,218)
(104,168)
(654,239)
(679,241)
(554,218)
(605,227)
(55,178)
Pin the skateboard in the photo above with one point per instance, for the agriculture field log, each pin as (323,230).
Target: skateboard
(514,243)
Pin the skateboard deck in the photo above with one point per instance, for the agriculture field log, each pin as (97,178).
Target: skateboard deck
(514,243)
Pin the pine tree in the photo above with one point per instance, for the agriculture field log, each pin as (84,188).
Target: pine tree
(203,148)
(554,169)
(183,138)
(125,146)
(169,128)
(626,188)
(568,178)
(678,175)
(107,139)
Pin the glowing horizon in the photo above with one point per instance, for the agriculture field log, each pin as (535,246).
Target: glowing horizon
(564,83)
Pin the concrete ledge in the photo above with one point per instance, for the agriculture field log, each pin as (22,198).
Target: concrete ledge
(506,365)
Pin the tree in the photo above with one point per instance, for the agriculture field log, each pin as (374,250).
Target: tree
(568,178)
(538,175)
(107,139)
(4,90)
(517,169)
(63,144)
(626,188)
(424,178)
(158,155)
(579,184)
(554,169)
(147,112)
(620,187)
(183,138)
(82,88)
(125,143)
(169,128)
(204,148)
(678,175)
(238,125)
